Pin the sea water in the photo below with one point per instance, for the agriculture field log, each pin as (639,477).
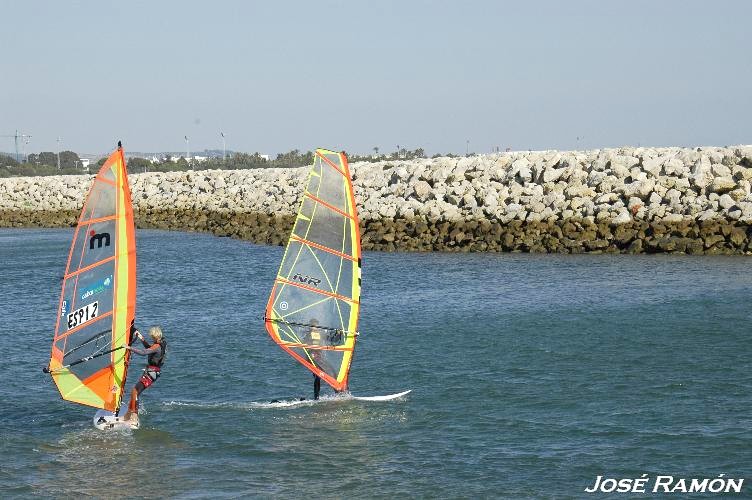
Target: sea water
(531,375)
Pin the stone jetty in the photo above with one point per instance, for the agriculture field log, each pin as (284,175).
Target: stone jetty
(624,200)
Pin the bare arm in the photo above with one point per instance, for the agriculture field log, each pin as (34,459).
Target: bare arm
(144,352)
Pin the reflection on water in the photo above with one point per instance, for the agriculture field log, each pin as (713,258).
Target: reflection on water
(88,462)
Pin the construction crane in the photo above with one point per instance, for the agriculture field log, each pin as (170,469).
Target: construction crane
(24,139)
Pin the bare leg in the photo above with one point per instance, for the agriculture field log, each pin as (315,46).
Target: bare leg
(132,404)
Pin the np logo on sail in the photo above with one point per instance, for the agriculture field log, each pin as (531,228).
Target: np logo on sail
(308,280)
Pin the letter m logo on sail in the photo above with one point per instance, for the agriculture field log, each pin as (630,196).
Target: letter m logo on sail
(100,239)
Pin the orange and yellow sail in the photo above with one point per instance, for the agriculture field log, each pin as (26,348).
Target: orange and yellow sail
(313,308)
(98,299)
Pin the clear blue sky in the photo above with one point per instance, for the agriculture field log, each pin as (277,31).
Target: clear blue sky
(352,74)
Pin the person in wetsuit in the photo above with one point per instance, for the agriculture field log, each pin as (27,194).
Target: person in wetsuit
(316,337)
(156,352)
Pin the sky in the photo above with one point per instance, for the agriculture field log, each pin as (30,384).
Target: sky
(354,75)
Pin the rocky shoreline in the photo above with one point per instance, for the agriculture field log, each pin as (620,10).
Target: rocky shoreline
(626,200)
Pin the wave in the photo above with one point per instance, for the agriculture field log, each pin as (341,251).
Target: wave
(250,405)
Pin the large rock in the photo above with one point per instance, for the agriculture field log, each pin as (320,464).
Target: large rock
(552,174)
(722,185)
(640,189)
(623,217)
(423,191)
(726,202)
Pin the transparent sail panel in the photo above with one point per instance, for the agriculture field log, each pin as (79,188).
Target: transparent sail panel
(318,269)
(303,309)
(101,201)
(329,361)
(109,174)
(326,228)
(94,243)
(331,189)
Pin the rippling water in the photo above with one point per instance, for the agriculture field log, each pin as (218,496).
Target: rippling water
(531,375)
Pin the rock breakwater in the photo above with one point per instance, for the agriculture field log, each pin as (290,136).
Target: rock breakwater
(626,200)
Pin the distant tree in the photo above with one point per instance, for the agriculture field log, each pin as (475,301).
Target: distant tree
(138,165)
(7,161)
(68,159)
(169,166)
(24,169)
(240,161)
(45,163)
(44,158)
(293,158)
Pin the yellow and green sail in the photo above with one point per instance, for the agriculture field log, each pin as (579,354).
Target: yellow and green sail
(98,300)
(313,308)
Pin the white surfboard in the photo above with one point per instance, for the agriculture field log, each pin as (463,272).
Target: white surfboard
(105,420)
(388,397)
(284,403)
(287,403)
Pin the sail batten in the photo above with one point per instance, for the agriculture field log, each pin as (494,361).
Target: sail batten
(88,362)
(313,290)
(89,267)
(101,219)
(322,247)
(313,308)
(330,207)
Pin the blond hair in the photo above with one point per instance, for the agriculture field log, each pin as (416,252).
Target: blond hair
(155,332)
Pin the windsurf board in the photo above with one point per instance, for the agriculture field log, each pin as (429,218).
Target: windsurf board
(105,420)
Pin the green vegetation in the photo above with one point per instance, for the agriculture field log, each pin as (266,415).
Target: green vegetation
(401,154)
(41,164)
(45,163)
(242,161)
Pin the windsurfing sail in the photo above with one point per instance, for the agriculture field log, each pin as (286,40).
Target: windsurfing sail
(89,362)
(313,308)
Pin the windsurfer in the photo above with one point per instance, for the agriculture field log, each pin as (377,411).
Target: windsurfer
(320,277)
(315,338)
(156,351)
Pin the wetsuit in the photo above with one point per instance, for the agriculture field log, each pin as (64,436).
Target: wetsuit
(317,357)
(316,386)
(314,337)
(319,361)
(152,371)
